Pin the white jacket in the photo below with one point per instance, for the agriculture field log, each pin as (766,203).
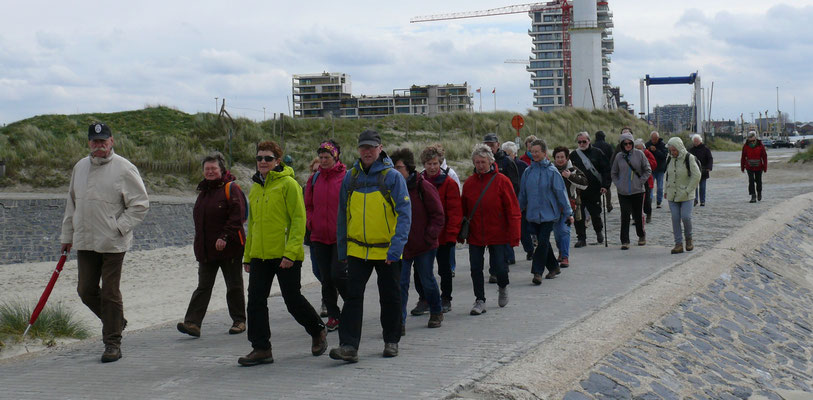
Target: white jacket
(106,200)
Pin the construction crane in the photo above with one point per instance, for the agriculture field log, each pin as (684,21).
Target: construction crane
(562,5)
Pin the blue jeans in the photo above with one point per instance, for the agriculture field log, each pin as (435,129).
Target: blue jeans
(702,191)
(658,176)
(561,233)
(424,266)
(681,211)
(496,259)
(543,253)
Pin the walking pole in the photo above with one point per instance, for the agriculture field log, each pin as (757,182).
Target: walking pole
(604,209)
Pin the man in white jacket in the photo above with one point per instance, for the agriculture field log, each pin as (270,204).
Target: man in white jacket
(106,200)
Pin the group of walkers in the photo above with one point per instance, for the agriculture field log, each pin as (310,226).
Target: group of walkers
(383,215)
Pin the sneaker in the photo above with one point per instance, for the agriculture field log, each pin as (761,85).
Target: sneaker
(552,274)
(332,324)
(435,320)
(689,244)
(237,327)
(323,311)
(678,248)
(625,246)
(345,353)
(319,343)
(111,353)
(478,308)
(599,237)
(502,299)
(702,204)
(256,357)
(642,241)
(492,279)
(421,308)
(580,243)
(446,305)
(390,350)
(658,206)
(189,329)
(537,280)
(564,263)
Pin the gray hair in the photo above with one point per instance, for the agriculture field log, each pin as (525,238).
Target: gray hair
(654,133)
(482,150)
(583,133)
(752,134)
(639,142)
(510,147)
(698,137)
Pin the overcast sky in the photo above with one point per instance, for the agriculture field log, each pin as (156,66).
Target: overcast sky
(100,56)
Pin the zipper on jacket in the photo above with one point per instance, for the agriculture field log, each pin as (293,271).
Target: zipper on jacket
(364,227)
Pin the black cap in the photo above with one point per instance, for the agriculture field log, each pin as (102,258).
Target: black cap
(490,138)
(98,131)
(369,138)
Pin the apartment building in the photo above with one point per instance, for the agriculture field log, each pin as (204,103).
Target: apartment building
(673,118)
(320,95)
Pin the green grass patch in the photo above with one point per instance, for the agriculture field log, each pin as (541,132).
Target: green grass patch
(803,156)
(55,321)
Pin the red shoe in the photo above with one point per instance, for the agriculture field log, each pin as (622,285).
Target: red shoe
(564,263)
(332,324)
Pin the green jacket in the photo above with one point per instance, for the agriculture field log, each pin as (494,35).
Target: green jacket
(680,185)
(276,218)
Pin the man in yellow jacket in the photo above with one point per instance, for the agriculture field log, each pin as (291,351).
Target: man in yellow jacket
(106,200)
(372,228)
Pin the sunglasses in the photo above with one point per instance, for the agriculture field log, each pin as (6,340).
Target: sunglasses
(581,142)
(627,143)
(266,158)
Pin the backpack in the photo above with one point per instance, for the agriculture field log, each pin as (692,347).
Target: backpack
(243,195)
(688,167)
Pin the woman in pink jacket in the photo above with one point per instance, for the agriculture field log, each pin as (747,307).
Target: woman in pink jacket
(321,206)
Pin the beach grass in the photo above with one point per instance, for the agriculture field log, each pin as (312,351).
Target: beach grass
(55,321)
(803,156)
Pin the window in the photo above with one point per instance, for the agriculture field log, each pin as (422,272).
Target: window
(545,92)
(544,74)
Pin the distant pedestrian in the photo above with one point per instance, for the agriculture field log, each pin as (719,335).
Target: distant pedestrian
(543,197)
(609,153)
(575,182)
(493,213)
(703,154)
(526,156)
(424,230)
(639,144)
(322,207)
(591,160)
(373,226)
(219,241)
(682,178)
(658,148)
(510,149)
(276,231)
(106,200)
(754,160)
(630,172)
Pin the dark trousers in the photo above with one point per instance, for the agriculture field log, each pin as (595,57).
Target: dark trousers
(525,236)
(445,256)
(235,295)
(631,205)
(259,287)
(334,276)
(104,301)
(389,297)
(543,255)
(591,202)
(754,177)
(648,201)
(496,260)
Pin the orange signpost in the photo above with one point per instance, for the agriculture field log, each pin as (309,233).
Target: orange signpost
(517,122)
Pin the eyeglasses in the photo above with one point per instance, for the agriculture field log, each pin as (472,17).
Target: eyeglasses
(266,158)
(582,142)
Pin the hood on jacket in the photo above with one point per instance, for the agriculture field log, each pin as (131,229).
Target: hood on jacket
(677,143)
(281,171)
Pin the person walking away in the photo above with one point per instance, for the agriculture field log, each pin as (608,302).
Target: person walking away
(106,201)
(754,160)
(630,173)
(421,247)
(219,241)
(575,181)
(639,144)
(510,149)
(658,148)
(493,215)
(590,160)
(373,226)
(609,153)
(543,196)
(703,154)
(276,230)
(682,178)
(322,207)
(449,193)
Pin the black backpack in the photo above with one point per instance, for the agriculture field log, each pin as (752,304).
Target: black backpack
(686,160)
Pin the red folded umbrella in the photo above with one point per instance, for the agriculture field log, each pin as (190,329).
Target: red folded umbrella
(47,292)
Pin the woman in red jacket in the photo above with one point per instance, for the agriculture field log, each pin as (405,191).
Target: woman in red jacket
(494,223)
(321,207)
(754,160)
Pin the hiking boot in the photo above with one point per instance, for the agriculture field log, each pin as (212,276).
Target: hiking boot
(492,279)
(529,255)
(753,199)
(502,296)
(552,273)
(689,244)
(189,329)
(345,353)
(111,353)
(446,305)
(564,263)
(759,196)
(599,237)
(319,343)
(390,350)
(256,357)
(421,308)
(702,204)
(332,324)
(478,308)
(625,246)
(435,320)
(537,280)
(237,327)
(642,241)
(678,248)
(649,219)
(323,311)
(580,243)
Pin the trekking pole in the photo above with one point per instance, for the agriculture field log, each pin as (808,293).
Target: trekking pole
(604,209)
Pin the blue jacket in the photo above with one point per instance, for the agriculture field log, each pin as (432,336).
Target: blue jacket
(542,193)
(373,223)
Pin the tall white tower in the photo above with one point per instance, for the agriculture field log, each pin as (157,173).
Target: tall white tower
(586,67)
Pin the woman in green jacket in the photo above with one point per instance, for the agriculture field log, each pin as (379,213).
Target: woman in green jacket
(682,178)
(276,229)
